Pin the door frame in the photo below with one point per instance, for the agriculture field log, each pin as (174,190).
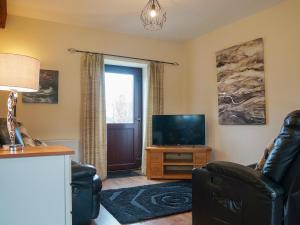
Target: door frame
(138,110)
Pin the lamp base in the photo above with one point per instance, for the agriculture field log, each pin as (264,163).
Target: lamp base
(13,148)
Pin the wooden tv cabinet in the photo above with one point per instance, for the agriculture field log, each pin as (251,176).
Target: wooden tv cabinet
(175,162)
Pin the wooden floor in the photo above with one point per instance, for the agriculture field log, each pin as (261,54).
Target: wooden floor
(105,218)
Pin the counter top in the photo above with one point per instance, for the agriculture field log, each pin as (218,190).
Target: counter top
(36,152)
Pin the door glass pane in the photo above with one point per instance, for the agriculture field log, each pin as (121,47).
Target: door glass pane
(119,89)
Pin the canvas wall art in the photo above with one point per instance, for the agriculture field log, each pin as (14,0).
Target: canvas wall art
(241,84)
(48,91)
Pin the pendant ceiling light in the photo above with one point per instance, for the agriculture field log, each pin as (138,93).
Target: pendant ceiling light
(153,16)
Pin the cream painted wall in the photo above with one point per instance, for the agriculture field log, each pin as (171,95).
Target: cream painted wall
(280,28)
(49,42)
(189,88)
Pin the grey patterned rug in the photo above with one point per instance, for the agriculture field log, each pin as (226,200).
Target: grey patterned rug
(131,205)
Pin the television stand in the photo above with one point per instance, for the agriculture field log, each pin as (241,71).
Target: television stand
(175,162)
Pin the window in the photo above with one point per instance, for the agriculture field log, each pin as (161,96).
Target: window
(119,90)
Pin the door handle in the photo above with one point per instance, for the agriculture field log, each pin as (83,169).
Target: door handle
(138,120)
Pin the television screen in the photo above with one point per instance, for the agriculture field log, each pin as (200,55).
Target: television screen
(178,130)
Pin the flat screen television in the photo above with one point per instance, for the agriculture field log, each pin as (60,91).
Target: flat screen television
(178,130)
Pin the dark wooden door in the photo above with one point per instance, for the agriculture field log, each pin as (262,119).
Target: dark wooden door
(124,117)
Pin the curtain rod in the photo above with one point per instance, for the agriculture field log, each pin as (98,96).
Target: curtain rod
(73,50)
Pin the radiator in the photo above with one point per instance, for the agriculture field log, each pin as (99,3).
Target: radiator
(70,143)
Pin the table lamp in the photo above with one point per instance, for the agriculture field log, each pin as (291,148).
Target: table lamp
(18,73)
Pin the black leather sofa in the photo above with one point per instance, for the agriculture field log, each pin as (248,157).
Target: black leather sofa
(86,187)
(226,193)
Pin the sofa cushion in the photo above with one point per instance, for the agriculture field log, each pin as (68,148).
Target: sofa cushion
(259,166)
(285,149)
(27,139)
(4,136)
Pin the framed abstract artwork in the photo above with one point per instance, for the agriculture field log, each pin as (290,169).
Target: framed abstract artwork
(241,84)
(48,91)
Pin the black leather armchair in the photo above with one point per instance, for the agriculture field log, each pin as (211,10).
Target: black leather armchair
(226,193)
(86,187)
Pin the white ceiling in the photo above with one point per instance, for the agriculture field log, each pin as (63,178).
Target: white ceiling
(185,18)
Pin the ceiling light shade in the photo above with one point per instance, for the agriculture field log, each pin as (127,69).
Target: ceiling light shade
(19,73)
(153,16)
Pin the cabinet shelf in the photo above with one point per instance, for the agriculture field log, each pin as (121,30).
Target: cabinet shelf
(175,162)
(178,172)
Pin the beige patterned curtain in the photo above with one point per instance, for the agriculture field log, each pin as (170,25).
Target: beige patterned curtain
(155,103)
(93,119)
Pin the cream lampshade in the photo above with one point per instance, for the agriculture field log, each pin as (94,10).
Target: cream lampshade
(18,73)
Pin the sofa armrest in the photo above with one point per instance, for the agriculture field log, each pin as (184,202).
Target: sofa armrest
(81,171)
(246,175)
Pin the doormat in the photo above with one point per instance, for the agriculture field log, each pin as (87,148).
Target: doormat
(122,174)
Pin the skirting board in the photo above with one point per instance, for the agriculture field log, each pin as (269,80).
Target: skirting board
(70,143)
